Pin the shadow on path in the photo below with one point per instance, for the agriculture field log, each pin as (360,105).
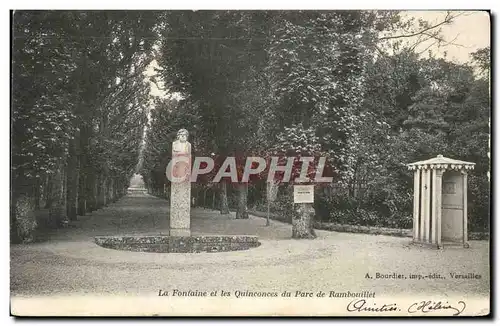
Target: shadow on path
(144,214)
(70,263)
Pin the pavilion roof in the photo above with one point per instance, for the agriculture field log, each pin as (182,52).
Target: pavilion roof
(441,162)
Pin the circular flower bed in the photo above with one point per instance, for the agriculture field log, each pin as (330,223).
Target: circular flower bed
(179,244)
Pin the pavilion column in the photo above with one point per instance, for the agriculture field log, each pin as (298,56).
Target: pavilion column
(416,204)
(437,179)
(423,203)
(426,193)
(464,216)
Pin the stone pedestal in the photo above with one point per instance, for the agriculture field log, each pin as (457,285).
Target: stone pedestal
(180,209)
(440,201)
(180,189)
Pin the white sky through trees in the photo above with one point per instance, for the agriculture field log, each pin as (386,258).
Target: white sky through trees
(470,32)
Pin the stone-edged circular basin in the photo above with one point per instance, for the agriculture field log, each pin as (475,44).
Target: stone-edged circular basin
(179,244)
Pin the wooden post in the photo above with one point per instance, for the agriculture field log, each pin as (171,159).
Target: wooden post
(416,204)
(268,212)
(464,217)
(205,198)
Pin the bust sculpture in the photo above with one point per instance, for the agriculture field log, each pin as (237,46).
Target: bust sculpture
(181,156)
(181,145)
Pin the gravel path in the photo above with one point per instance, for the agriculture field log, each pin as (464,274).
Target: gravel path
(69,263)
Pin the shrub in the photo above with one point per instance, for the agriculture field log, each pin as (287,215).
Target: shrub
(283,205)
(363,217)
(260,205)
(25,219)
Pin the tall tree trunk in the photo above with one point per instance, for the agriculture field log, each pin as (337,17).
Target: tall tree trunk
(101,191)
(82,205)
(37,193)
(119,186)
(90,194)
(110,190)
(123,188)
(57,211)
(98,189)
(116,186)
(84,169)
(302,221)
(72,174)
(118,190)
(224,206)
(242,211)
(47,193)
(14,234)
(104,189)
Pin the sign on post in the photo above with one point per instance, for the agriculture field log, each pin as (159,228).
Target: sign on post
(303,194)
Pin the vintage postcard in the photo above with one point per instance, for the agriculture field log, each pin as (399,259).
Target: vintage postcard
(250,163)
